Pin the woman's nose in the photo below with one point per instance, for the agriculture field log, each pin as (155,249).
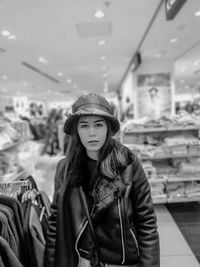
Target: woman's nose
(91,131)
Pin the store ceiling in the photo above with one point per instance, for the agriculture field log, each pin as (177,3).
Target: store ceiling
(65,35)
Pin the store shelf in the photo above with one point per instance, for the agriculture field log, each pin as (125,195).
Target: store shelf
(176,200)
(130,138)
(15,177)
(185,179)
(13,145)
(20,175)
(170,156)
(183,199)
(161,129)
(159,201)
(157,181)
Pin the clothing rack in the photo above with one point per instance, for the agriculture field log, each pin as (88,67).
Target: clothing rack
(14,188)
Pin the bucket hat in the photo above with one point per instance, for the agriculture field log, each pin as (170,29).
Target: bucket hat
(91,104)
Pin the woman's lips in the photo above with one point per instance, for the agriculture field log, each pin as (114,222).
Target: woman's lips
(93,142)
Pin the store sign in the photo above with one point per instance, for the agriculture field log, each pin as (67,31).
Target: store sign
(172,7)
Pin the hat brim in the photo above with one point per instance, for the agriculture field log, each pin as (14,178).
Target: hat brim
(89,112)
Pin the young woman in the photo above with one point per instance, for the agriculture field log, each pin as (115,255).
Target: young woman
(116,191)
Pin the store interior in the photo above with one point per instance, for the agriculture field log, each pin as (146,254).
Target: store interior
(144,57)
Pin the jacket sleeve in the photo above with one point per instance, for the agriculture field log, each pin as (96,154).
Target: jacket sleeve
(51,232)
(145,218)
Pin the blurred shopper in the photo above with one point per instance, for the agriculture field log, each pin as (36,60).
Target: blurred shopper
(51,145)
(102,212)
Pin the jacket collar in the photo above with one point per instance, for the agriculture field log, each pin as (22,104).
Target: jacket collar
(105,193)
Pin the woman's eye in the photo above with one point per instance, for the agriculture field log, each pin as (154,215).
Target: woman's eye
(84,125)
(99,124)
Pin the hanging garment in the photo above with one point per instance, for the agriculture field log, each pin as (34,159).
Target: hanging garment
(16,208)
(7,257)
(34,236)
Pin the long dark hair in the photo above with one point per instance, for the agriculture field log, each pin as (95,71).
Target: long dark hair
(113,156)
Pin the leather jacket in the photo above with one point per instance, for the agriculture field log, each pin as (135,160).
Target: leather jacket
(123,216)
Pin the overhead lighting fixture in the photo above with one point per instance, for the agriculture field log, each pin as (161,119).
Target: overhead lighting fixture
(174,40)
(158,55)
(105,75)
(183,69)
(12,37)
(42,60)
(101,42)
(99,14)
(197,14)
(103,57)
(105,88)
(59,73)
(5,77)
(5,33)
(196,62)
(69,80)
(103,67)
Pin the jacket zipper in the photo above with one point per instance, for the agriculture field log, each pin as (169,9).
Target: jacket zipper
(136,242)
(122,233)
(79,235)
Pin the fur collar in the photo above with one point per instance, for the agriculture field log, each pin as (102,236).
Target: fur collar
(105,193)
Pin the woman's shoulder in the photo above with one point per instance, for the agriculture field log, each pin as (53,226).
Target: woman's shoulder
(61,166)
(61,163)
(129,155)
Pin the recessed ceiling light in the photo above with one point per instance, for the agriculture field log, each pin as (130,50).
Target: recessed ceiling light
(42,60)
(5,33)
(105,88)
(12,37)
(59,73)
(197,14)
(103,67)
(5,77)
(99,14)
(158,55)
(101,42)
(105,75)
(103,57)
(69,80)
(183,69)
(174,40)
(196,62)
(4,90)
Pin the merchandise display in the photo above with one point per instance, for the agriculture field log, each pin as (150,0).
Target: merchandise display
(169,150)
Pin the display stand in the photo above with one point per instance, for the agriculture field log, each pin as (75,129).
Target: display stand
(189,181)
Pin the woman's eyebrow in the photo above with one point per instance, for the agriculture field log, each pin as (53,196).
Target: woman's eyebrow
(83,121)
(101,120)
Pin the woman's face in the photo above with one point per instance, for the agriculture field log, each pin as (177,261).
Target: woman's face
(92,131)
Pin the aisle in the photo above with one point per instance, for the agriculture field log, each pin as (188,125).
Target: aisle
(175,251)
(187,217)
